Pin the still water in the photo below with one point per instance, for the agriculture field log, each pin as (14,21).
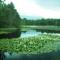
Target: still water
(28,33)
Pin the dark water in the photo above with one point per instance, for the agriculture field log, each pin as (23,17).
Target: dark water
(55,55)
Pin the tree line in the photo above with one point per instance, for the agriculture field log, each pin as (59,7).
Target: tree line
(9,16)
(55,22)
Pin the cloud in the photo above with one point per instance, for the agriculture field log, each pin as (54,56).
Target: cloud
(31,8)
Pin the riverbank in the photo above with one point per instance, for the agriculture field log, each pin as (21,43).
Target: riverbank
(43,43)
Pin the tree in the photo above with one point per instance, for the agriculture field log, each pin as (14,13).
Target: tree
(9,17)
(8,13)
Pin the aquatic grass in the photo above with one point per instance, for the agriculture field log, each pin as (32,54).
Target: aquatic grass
(37,44)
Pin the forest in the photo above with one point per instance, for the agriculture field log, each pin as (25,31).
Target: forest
(9,17)
(54,22)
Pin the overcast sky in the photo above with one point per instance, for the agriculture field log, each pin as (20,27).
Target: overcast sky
(44,8)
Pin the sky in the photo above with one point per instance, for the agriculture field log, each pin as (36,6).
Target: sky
(37,8)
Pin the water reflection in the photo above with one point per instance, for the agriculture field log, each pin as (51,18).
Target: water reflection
(55,55)
(30,33)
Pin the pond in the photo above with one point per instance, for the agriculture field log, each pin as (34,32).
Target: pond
(28,33)
(33,32)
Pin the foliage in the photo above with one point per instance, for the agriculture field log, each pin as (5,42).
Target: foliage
(38,44)
(55,22)
(9,16)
